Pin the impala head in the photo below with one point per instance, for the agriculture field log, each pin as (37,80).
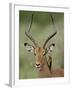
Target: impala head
(39,52)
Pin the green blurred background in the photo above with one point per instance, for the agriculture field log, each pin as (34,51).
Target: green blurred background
(41,28)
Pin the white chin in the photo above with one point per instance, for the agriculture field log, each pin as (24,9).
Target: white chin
(38,67)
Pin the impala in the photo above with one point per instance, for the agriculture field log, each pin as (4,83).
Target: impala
(43,65)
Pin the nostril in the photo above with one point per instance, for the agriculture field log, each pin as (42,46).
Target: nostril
(37,64)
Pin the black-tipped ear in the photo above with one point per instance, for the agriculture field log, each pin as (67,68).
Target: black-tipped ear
(53,44)
(29,47)
(25,44)
(50,48)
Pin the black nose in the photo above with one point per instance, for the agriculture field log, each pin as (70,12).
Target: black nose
(37,64)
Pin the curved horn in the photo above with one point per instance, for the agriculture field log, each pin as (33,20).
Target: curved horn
(28,34)
(49,39)
(53,33)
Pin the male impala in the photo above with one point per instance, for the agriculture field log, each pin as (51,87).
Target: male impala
(43,65)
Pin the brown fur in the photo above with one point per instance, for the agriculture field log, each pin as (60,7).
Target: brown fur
(46,70)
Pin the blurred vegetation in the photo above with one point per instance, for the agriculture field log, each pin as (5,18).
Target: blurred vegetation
(41,28)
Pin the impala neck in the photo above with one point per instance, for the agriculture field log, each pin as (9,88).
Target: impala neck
(45,72)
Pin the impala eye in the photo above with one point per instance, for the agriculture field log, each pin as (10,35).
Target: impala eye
(44,54)
(35,54)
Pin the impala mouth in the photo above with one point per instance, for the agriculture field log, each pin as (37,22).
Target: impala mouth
(39,67)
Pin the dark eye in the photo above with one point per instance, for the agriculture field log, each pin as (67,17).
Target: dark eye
(35,54)
(44,54)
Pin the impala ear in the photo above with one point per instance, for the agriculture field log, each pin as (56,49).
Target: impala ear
(29,47)
(51,48)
